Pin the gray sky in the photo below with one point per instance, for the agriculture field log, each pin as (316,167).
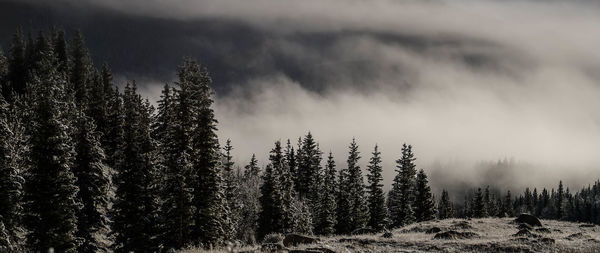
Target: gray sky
(466,82)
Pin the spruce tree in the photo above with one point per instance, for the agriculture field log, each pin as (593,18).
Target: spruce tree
(327,209)
(424,202)
(93,181)
(17,70)
(248,197)
(309,175)
(252,167)
(401,196)
(376,199)
(3,73)
(135,207)
(61,50)
(359,210)
(270,216)
(211,216)
(445,208)
(50,183)
(560,201)
(81,69)
(177,207)
(344,221)
(479,208)
(11,180)
(231,188)
(508,206)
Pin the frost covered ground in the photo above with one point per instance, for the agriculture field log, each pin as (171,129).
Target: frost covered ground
(486,235)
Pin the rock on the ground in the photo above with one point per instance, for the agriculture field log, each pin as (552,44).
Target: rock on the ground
(387,234)
(296,239)
(455,235)
(528,219)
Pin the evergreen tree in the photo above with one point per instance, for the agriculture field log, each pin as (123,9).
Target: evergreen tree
(401,197)
(93,181)
(81,69)
(343,205)
(359,210)
(61,50)
(11,181)
(445,208)
(508,207)
(560,202)
(309,175)
(424,202)
(50,183)
(479,208)
(328,202)
(252,167)
(17,68)
(270,216)
(376,200)
(3,73)
(231,188)
(135,207)
(195,102)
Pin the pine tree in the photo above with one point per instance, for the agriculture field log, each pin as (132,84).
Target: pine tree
(195,100)
(81,69)
(17,70)
(401,197)
(252,167)
(231,188)
(50,182)
(344,221)
(3,73)
(93,181)
(135,206)
(270,216)
(479,208)
(248,197)
(507,207)
(376,200)
(11,181)
(309,175)
(177,207)
(61,50)
(560,202)
(445,208)
(97,105)
(359,210)
(327,218)
(424,202)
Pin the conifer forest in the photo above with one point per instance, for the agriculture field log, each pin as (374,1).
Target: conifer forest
(299,126)
(87,166)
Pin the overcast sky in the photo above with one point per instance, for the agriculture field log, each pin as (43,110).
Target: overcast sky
(465,82)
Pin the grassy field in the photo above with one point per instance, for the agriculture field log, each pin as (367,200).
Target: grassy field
(486,235)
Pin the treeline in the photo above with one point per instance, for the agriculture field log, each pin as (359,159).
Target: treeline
(559,204)
(86,167)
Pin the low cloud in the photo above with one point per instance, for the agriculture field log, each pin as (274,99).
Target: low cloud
(466,82)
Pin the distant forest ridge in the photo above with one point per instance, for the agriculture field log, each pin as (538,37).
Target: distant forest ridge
(86,167)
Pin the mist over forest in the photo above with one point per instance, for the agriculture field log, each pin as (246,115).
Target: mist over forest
(445,105)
